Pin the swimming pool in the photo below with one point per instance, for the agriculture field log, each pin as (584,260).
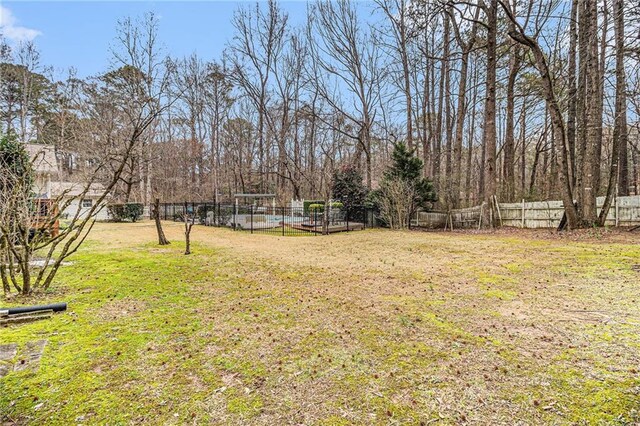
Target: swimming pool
(262,221)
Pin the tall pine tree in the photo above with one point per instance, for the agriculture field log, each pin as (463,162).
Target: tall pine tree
(403,189)
(407,168)
(349,189)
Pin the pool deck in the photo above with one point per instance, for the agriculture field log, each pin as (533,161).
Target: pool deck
(355,226)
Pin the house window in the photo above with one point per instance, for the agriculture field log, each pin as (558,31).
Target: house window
(86,203)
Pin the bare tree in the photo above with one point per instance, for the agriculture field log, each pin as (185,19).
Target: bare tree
(347,57)
(189,221)
(466,45)
(620,124)
(257,43)
(397,13)
(397,203)
(489,135)
(134,96)
(162,239)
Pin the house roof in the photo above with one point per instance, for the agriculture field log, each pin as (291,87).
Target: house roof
(43,157)
(254,195)
(76,188)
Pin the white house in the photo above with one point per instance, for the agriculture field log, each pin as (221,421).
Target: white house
(72,190)
(49,183)
(45,166)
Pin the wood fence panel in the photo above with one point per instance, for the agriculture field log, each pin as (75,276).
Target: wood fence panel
(625,211)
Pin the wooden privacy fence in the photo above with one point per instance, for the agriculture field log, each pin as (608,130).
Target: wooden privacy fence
(460,218)
(431,220)
(625,211)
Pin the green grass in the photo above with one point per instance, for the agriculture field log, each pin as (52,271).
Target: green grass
(371,327)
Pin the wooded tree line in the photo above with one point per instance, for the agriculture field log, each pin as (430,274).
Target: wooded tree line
(508,98)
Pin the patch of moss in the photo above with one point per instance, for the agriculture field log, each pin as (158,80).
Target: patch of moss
(500,294)
(245,406)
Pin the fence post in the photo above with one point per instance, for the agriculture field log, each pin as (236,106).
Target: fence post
(495,198)
(523,213)
(205,214)
(251,216)
(282,221)
(347,217)
(364,218)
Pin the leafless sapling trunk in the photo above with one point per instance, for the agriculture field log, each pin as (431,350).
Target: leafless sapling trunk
(162,239)
(189,220)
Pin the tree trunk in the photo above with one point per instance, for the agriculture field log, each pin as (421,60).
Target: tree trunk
(187,234)
(572,92)
(489,136)
(162,239)
(447,114)
(621,101)
(508,167)
(636,169)
(442,98)
(26,273)
(469,159)
(523,148)
(556,119)
(534,171)
(589,122)
(600,98)
(426,121)
(407,78)
(620,123)
(462,111)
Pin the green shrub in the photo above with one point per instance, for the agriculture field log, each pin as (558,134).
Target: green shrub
(403,189)
(347,188)
(307,203)
(16,164)
(116,212)
(201,212)
(318,206)
(127,211)
(134,211)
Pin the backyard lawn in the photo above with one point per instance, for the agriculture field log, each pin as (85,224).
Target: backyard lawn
(370,327)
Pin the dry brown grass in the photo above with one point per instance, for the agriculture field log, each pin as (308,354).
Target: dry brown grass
(381,327)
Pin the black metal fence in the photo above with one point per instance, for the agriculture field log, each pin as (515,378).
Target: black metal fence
(285,221)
